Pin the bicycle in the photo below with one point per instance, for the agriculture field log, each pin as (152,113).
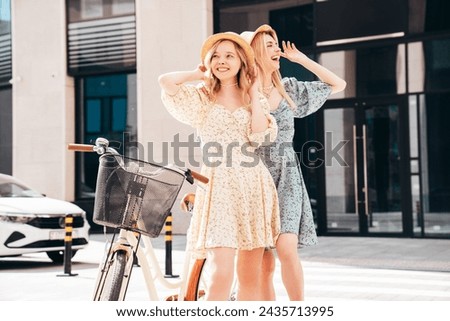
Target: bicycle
(134,198)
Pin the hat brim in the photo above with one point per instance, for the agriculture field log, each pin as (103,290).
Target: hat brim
(211,40)
(249,36)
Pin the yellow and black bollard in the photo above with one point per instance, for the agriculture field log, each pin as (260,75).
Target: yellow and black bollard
(68,227)
(168,240)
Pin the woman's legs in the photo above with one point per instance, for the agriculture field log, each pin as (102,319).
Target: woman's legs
(221,263)
(291,268)
(249,274)
(267,272)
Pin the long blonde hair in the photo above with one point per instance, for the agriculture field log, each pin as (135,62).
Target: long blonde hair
(260,49)
(245,76)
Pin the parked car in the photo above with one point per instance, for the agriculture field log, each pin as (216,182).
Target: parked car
(31,222)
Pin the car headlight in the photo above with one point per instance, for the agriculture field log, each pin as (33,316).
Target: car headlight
(16,218)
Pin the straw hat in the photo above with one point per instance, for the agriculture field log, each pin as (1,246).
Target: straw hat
(250,35)
(211,40)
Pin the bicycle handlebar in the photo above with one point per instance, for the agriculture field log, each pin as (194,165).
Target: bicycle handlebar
(91,148)
(81,147)
(199,177)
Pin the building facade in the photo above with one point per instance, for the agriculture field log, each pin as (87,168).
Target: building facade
(374,157)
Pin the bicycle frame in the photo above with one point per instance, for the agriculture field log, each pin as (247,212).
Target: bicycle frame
(148,261)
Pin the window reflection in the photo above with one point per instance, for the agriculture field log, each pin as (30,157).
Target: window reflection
(369,71)
(429,65)
(437,64)
(109,106)
(342,63)
(416,67)
(80,10)
(435,152)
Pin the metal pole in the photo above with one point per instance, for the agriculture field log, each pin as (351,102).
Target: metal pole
(168,239)
(68,227)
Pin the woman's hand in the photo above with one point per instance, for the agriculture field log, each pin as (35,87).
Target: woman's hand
(200,72)
(291,53)
(255,84)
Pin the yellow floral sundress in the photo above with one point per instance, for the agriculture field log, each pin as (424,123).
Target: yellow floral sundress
(238,208)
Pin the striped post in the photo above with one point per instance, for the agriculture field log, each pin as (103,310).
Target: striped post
(68,228)
(168,241)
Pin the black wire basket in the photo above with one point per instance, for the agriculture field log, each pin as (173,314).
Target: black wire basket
(135,195)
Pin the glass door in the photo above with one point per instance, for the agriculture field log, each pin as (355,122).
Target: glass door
(381,169)
(362,169)
(340,171)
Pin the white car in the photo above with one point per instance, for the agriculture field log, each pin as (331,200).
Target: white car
(31,222)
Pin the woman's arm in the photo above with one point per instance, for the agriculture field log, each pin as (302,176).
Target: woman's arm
(170,82)
(259,121)
(291,53)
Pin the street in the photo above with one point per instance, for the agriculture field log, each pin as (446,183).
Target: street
(378,269)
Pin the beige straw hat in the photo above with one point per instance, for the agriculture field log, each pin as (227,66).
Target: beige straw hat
(211,40)
(250,35)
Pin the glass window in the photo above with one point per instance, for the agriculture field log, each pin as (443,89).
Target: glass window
(428,16)
(346,19)
(109,109)
(5,43)
(380,70)
(119,114)
(91,9)
(5,16)
(342,63)
(80,10)
(6,131)
(369,71)
(294,24)
(341,204)
(435,152)
(413,128)
(291,69)
(416,205)
(429,65)
(122,7)
(93,116)
(436,18)
(437,65)
(416,67)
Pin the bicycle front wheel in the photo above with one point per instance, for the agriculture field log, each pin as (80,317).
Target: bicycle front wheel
(114,277)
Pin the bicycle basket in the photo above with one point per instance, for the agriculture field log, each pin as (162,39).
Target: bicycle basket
(135,195)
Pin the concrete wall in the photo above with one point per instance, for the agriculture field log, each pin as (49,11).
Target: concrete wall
(169,37)
(170,34)
(43,98)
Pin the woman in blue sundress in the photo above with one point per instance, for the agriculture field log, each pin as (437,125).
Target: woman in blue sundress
(288,98)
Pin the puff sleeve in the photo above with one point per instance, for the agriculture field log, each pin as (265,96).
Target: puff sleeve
(189,105)
(269,135)
(309,96)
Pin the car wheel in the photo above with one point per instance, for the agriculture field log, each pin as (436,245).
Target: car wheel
(58,256)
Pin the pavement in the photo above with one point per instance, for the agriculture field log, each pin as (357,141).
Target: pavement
(337,269)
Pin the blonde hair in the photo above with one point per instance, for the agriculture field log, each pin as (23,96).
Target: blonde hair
(245,77)
(260,49)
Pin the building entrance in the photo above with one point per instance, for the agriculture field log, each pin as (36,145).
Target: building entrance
(363,169)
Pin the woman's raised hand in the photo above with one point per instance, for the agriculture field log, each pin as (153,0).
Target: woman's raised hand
(200,71)
(291,53)
(255,83)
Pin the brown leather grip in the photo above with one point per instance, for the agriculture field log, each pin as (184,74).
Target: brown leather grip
(199,177)
(81,147)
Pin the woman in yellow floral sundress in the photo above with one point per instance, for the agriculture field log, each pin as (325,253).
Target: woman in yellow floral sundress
(238,210)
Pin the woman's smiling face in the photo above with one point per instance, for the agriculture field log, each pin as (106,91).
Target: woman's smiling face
(225,61)
(273,52)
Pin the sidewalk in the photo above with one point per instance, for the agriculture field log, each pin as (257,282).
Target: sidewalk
(339,268)
(362,268)
(386,253)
